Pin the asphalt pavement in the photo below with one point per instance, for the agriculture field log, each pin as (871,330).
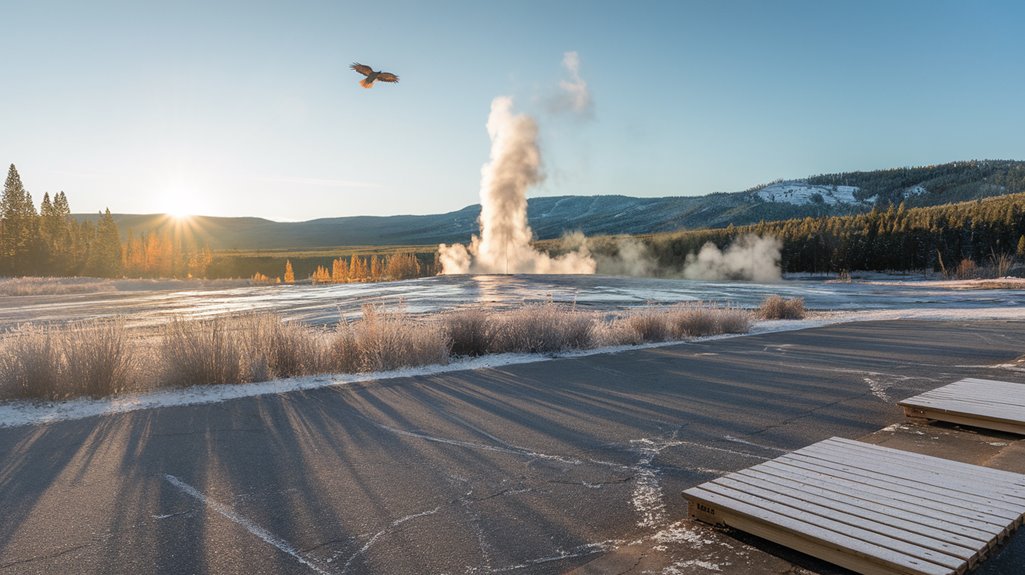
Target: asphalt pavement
(534,468)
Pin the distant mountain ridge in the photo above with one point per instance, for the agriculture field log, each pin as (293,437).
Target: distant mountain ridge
(550,217)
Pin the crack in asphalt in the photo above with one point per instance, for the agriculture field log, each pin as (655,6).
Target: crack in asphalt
(49,556)
(384,531)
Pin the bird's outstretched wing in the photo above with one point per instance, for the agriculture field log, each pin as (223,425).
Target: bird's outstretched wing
(365,70)
(387,77)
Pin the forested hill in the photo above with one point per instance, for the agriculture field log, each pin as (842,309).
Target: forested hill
(822,195)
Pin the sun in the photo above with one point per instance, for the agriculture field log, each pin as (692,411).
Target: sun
(182,203)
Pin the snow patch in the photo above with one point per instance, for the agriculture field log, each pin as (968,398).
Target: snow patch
(914,191)
(803,194)
(681,567)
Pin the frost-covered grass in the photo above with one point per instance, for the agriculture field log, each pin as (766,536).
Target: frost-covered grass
(778,307)
(383,341)
(92,359)
(102,358)
(25,286)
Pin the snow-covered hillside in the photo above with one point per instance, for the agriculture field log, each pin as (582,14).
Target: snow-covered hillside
(803,194)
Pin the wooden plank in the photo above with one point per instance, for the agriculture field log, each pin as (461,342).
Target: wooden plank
(917,459)
(999,511)
(988,404)
(1010,486)
(858,520)
(964,537)
(810,538)
(992,410)
(974,396)
(944,517)
(968,420)
(958,514)
(1010,496)
(848,529)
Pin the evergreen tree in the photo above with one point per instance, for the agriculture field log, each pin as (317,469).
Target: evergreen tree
(18,223)
(105,249)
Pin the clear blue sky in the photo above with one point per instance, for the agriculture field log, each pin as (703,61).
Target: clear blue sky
(248,108)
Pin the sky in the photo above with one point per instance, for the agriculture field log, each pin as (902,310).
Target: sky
(249,108)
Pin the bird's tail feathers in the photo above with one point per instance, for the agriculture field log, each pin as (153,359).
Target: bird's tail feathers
(366,83)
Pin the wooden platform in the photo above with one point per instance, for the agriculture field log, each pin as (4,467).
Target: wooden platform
(871,509)
(982,403)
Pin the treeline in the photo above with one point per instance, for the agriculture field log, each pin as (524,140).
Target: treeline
(371,268)
(937,238)
(168,255)
(49,242)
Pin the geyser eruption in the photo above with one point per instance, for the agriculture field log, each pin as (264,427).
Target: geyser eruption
(504,242)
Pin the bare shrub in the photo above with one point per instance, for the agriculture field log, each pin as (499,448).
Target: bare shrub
(393,340)
(543,328)
(471,330)
(1001,264)
(967,269)
(778,307)
(93,358)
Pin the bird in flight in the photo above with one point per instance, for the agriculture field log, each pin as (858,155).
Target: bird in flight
(371,75)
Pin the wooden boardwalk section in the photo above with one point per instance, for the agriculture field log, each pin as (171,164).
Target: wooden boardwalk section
(871,509)
(985,403)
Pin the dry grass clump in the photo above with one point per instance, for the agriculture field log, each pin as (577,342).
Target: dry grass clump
(101,358)
(542,328)
(778,307)
(733,320)
(471,331)
(383,341)
(650,324)
(615,331)
(241,349)
(275,348)
(206,352)
(92,358)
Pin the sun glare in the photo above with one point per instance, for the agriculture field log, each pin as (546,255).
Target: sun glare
(181,203)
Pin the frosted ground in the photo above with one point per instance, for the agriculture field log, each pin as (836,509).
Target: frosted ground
(143,303)
(148,303)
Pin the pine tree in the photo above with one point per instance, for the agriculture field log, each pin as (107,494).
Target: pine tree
(105,251)
(18,223)
(289,274)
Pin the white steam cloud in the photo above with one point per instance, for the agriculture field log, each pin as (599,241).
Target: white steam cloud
(749,257)
(575,97)
(504,242)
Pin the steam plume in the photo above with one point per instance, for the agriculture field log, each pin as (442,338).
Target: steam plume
(575,96)
(504,242)
(749,257)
